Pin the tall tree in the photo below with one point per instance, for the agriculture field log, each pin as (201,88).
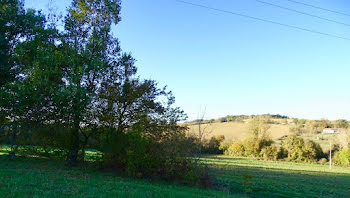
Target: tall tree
(90,51)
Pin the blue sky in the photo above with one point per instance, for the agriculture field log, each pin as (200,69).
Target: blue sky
(233,65)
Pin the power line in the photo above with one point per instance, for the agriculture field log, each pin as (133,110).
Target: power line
(304,13)
(265,20)
(320,8)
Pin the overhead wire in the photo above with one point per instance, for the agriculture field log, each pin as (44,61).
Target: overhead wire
(301,12)
(264,20)
(320,8)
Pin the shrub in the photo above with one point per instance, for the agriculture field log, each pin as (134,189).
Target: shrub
(312,151)
(236,149)
(213,145)
(223,120)
(269,153)
(253,146)
(282,153)
(323,161)
(342,157)
(300,150)
(249,147)
(224,145)
(143,156)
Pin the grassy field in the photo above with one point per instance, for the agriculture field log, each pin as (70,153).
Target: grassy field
(34,177)
(279,179)
(234,177)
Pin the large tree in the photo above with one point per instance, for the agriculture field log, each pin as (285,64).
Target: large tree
(90,51)
(77,83)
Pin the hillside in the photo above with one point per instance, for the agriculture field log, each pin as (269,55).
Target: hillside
(279,128)
(237,130)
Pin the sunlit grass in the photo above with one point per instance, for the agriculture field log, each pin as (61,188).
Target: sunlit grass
(279,165)
(40,177)
(279,179)
(4,150)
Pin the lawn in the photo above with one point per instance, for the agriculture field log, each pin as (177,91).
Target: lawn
(37,177)
(234,177)
(279,179)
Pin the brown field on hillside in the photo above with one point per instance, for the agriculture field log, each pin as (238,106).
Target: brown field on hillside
(237,130)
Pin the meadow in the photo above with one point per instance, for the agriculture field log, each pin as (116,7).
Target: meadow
(258,178)
(34,177)
(233,177)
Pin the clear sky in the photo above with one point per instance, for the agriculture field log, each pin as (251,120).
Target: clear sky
(233,65)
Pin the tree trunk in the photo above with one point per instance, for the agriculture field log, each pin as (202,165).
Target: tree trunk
(83,147)
(73,159)
(14,146)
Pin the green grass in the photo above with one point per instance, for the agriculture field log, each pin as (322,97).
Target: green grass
(35,177)
(234,177)
(279,179)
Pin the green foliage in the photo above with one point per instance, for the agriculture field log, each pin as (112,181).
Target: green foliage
(253,148)
(293,149)
(142,156)
(269,153)
(16,25)
(213,145)
(344,138)
(224,145)
(257,141)
(63,91)
(235,149)
(300,150)
(342,157)
(258,127)
(19,30)
(296,130)
(341,124)
(323,161)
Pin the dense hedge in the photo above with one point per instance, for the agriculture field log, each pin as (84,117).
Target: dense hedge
(293,149)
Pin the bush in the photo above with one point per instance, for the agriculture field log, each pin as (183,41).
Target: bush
(236,149)
(312,151)
(253,146)
(300,150)
(142,156)
(213,145)
(323,161)
(342,157)
(249,147)
(224,145)
(282,153)
(269,153)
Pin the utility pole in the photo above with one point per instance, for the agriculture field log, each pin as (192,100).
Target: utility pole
(330,154)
